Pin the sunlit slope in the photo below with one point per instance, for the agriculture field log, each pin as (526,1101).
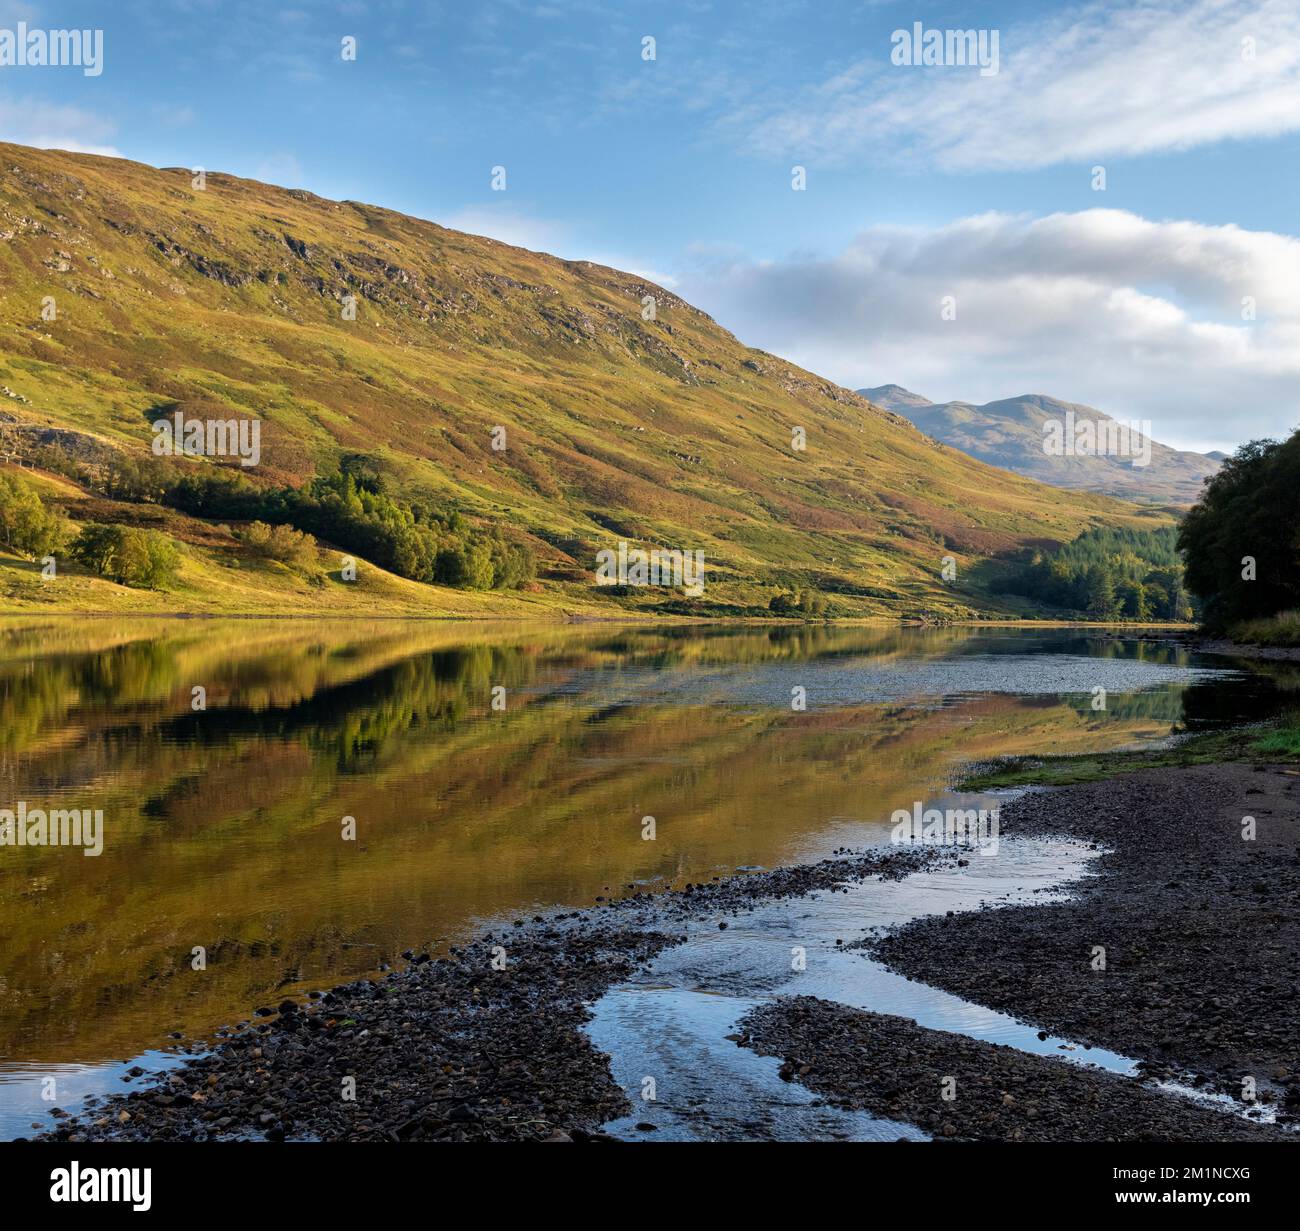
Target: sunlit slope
(219,575)
(668,431)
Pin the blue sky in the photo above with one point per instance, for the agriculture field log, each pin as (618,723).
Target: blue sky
(922,181)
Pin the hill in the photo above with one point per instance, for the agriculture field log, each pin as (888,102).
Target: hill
(348,330)
(1010,433)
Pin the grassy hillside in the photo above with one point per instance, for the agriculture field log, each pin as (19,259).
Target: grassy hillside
(227,302)
(219,575)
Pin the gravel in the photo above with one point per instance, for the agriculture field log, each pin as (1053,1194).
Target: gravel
(961,1089)
(1200,928)
(450,1048)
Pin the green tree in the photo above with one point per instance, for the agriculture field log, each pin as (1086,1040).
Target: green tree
(1144,567)
(811,604)
(1132,597)
(1241,539)
(128,555)
(138,480)
(1100,588)
(26,525)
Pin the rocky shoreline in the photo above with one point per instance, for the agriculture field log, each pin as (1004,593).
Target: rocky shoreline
(1237,649)
(450,1048)
(1200,929)
(963,1089)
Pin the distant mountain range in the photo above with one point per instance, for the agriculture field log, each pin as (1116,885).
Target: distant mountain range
(1011,433)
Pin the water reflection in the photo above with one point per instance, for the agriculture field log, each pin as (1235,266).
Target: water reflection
(223,825)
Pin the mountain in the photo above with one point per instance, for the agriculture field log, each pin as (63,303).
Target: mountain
(1010,433)
(895,397)
(659,428)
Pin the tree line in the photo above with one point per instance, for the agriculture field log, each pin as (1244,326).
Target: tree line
(1241,539)
(130,555)
(1109,574)
(352,507)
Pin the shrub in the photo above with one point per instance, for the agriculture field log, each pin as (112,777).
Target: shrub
(806,603)
(282,542)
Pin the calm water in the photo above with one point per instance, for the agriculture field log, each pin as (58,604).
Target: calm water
(222,826)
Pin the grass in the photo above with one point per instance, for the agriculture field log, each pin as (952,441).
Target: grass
(226,302)
(1282,629)
(1283,742)
(1278,740)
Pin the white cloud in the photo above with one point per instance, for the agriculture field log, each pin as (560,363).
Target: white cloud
(1141,319)
(1096,81)
(509,226)
(49,126)
(658,277)
(542,235)
(280,168)
(48,141)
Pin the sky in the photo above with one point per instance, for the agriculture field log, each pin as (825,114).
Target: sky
(1109,218)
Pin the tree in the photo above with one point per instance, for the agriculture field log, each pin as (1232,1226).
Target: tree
(128,555)
(1240,539)
(138,480)
(811,604)
(1132,598)
(26,525)
(513,566)
(465,566)
(96,547)
(1100,586)
(1144,568)
(354,509)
